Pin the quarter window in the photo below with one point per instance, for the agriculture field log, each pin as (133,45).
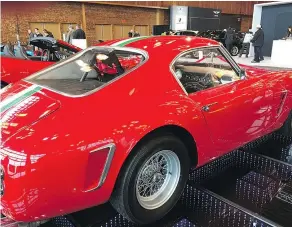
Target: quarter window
(202,69)
(87,70)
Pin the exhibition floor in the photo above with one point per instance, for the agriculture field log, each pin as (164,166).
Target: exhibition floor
(251,186)
(267,63)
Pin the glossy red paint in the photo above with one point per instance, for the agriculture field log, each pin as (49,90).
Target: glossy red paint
(46,144)
(15,69)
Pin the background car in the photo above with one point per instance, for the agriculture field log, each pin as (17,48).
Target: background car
(186,32)
(17,64)
(218,35)
(83,129)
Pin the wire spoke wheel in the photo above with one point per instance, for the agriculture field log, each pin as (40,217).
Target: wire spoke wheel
(158,179)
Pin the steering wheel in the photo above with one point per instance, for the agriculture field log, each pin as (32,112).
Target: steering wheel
(209,80)
(45,55)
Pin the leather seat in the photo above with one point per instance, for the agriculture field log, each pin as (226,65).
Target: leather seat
(20,52)
(7,51)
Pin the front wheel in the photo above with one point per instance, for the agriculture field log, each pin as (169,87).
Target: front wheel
(152,180)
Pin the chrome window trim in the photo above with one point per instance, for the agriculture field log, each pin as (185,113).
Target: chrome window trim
(130,49)
(220,47)
(106,167)
(230,59)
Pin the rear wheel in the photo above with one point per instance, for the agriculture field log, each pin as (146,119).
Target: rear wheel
(286,129)
(234,51)
(152,180)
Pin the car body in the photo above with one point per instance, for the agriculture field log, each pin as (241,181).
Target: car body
(219,35)
(70,135)
(26,65)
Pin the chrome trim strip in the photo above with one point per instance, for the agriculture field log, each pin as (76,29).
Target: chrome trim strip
(112,148)
(228,56)
(130,49)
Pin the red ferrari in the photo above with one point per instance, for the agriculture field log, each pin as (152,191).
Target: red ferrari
(125,122)
(18,65)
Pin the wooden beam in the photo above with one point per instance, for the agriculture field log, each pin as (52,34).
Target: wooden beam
(126,5)
(83,18)
(157,17)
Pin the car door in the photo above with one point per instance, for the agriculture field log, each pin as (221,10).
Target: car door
(233,107)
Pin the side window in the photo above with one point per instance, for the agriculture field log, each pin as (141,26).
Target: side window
(202,69)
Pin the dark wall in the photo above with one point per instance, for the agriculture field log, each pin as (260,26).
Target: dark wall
(230,20)
(275,22)
(200,19)
(159,29)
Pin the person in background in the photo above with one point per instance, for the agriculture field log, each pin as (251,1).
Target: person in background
(30,35)
(69,35)
(78,33)
(246,43)
(289,32)
(37,33)
(131,33)
(136,34)
(47,33)
(258,42)
(229,38)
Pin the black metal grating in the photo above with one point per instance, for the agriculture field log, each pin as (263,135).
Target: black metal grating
(208,210)
(62,221)
(211,169)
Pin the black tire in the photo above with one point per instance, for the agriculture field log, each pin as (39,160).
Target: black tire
(124,198)
(3,84)
(286,129)
(234,51)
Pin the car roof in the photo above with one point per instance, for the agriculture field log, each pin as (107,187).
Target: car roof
(162,46)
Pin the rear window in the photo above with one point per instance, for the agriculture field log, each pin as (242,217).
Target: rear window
(88,70)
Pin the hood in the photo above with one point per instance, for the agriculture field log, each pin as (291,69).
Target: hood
(23,105)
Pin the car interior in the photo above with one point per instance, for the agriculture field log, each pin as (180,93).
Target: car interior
(89,71)
(8,50)
(196,75)
(45,50)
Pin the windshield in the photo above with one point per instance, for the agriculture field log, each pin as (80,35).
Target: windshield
(87,70)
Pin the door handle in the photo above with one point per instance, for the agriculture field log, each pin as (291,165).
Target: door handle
(207,107)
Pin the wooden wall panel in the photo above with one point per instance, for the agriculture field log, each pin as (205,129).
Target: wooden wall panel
(234,7)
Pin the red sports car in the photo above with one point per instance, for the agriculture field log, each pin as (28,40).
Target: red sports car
(18,65)
(88,130)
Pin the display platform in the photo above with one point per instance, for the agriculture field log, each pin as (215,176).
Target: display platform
(282,52)
(251,186)
(266,63)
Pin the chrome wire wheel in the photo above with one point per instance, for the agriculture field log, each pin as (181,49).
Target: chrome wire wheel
(158,179)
